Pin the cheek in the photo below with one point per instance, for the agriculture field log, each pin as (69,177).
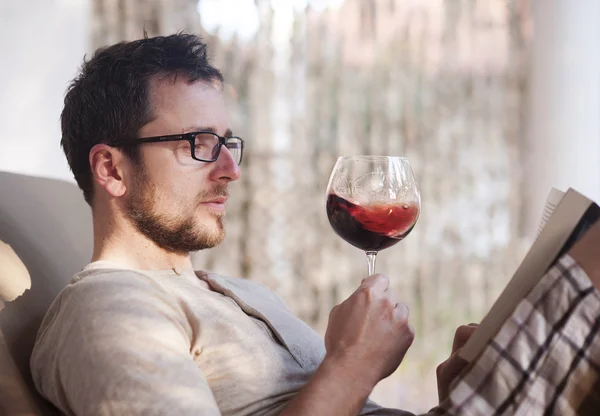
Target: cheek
(184,200)
(178,188)
(184,194)
(173,199)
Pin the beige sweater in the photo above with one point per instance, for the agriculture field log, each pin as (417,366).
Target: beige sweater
(129,342)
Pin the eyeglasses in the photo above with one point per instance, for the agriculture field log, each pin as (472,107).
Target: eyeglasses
(205,146)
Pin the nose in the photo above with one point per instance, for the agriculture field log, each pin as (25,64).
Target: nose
(225,167)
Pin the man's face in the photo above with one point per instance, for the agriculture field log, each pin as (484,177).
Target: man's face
(174,200)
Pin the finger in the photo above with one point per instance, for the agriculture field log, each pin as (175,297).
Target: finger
(451,367)
(401,312)
(392,299)
(454,366)
(333,312)
(447,373)
(378,282)
(461,336)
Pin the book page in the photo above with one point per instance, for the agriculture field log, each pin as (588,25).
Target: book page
(554,198)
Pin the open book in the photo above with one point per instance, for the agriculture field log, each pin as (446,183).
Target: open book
(565,219)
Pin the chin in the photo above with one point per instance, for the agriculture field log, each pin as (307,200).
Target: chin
(211,227)
(209,220)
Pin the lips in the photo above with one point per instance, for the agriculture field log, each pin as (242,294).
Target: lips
(219,200)
(215,204)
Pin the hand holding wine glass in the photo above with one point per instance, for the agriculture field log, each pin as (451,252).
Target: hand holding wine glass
(373,202)
(370,331)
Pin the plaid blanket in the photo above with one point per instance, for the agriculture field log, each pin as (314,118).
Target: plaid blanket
(545,360)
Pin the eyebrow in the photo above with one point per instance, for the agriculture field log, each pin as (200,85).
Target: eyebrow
(228,132)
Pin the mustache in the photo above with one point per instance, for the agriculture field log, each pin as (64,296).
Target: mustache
(220,191)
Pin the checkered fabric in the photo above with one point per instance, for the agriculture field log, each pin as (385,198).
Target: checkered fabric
(545,360)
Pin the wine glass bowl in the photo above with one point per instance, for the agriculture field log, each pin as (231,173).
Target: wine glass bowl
(373,202)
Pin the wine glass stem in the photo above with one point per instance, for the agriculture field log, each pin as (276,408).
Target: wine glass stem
(371,260)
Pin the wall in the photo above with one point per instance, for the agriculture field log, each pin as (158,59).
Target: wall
(42,44)
(564,104)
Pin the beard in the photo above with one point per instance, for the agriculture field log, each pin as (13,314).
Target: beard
(177,233)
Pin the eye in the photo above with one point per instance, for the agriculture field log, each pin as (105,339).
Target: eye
(199,142)
(206,146)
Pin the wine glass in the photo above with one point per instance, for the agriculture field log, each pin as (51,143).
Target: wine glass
(373,202)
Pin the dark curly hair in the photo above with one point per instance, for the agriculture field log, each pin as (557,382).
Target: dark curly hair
(108,100)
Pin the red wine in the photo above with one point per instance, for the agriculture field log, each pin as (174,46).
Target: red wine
(371,227)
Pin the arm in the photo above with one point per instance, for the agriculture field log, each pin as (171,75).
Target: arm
(366,339)
(119,346)
(332,389)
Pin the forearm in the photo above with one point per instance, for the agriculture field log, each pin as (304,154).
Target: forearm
(334,389)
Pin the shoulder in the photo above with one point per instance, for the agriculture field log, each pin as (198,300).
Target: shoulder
(109,278)
(95,297)
(112,286)
(98,289)
(104,303)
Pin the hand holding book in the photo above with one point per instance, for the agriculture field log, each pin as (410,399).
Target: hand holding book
(566,218)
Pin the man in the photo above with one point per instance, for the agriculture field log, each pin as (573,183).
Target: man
(138,331)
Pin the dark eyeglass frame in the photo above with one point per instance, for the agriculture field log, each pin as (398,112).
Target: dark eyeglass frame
(190,138)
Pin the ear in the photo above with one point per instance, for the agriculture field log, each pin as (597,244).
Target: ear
(109,166)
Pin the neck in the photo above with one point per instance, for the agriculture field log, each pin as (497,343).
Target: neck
(118,241)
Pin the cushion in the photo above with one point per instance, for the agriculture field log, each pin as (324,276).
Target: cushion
(48,225)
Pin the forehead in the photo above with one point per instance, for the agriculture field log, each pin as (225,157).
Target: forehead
(178,104)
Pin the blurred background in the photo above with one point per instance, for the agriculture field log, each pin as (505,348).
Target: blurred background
(493,101)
